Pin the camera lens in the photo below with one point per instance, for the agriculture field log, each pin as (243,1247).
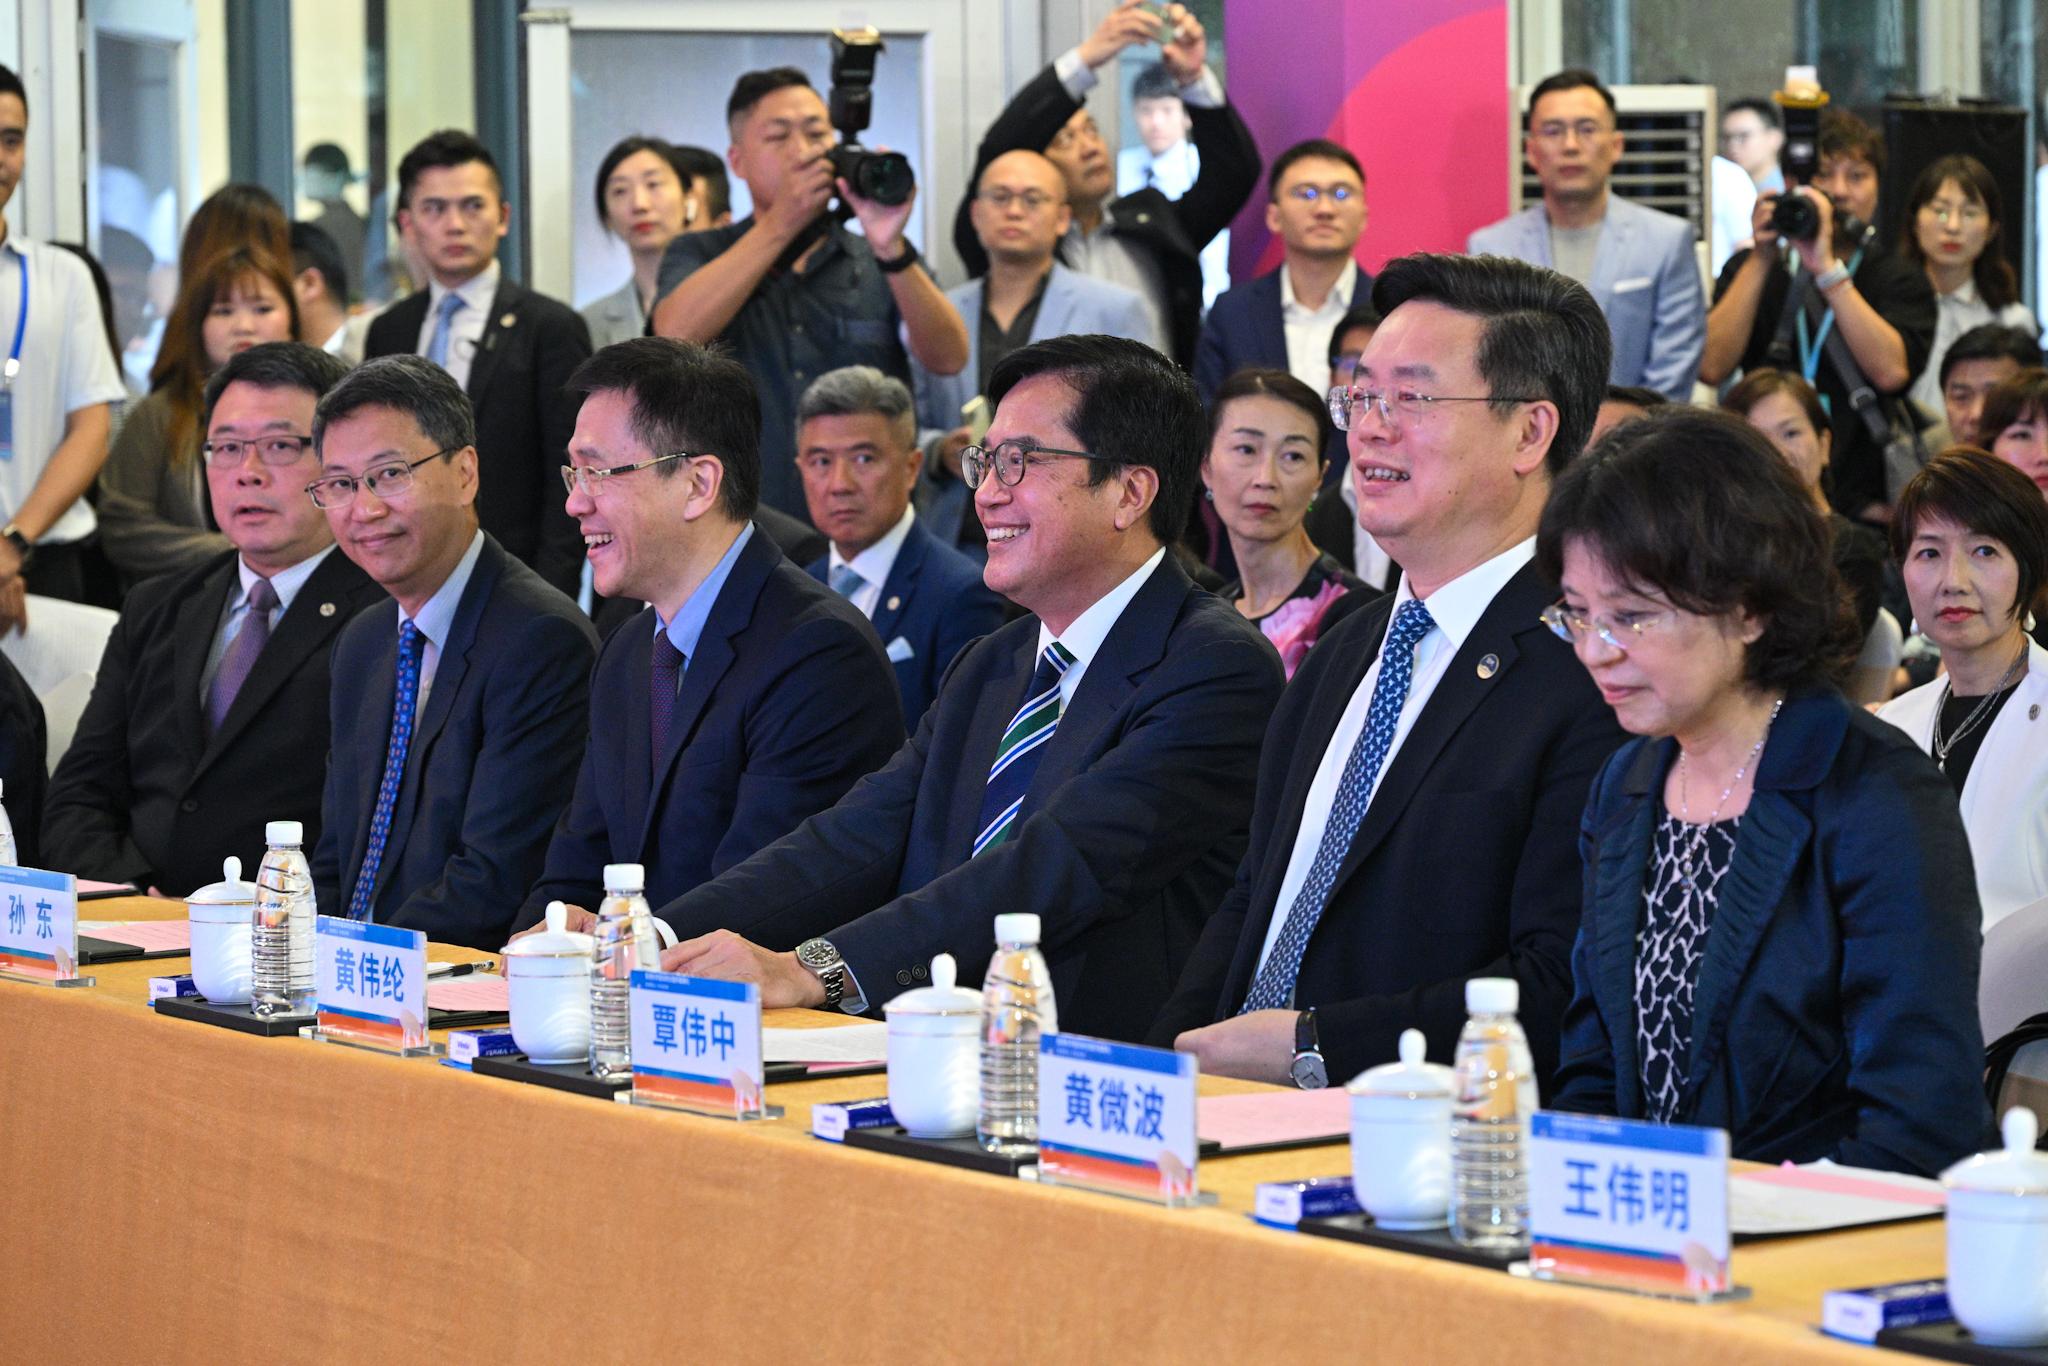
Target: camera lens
(884,177)
(1795,217)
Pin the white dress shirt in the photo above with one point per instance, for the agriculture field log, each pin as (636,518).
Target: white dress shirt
(1308,329)
(873,564)
(1368,561)
(1085,634)
(1956,313)
(466,328)
(437,618)
(286,583)
(1455,608)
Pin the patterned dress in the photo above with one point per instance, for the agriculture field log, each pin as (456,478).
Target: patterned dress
(1687,863)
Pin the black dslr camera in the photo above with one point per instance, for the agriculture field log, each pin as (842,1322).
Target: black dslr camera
(1795,218)
(883,177)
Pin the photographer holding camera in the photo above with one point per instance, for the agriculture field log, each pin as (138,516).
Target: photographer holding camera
(1852,319)
(789,289)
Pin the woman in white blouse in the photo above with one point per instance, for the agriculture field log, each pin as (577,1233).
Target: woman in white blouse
(1953,220)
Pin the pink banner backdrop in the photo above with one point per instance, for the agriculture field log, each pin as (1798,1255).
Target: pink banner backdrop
(1417,89)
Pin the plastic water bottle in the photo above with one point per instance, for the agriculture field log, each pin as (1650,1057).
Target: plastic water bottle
(1016,1007)
(1496,1095)
(624,940)
(8,856)
(281,939)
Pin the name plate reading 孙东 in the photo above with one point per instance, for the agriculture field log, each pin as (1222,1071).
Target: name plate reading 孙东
(39,934)
(371,986)
(697,1045)
(1118,1118)
(1634,1206)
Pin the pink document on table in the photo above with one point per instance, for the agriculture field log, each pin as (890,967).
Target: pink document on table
(1263,1119)
(477,991)
(87,887)
(151,936)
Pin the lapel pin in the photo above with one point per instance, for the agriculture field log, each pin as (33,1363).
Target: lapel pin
(896,602)
(1489,665)
(2034,712)
(326,609)
(508,320)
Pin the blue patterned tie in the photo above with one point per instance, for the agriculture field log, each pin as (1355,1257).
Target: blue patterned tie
(404,696)
(846,581)
(1274,988)
(664,681)
(1023,740)
(444,318)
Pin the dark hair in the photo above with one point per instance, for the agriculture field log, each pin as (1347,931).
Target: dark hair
(1544,338)
(1635,396)
(327,156)
(2022,395)
(705,170)
(1132,406)
(1155,82)
(1759,384)
(235,215)
(1996,283)
(1320,149)
(1361,314)
(181,366)
(1698,506)
(1279,384)
(313,248)
(412,385)
(1842,134)
(1991,341)
(439,151)
(1980,493)
(10,84)
(1573,78)
(1763,109)
(275,365)
(100,284)
(754,86)
(633,146)
(686,397)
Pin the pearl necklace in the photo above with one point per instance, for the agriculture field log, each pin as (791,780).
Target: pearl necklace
(1695,850)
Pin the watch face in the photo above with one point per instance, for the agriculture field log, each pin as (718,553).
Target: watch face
(816,954)
(1309,1072)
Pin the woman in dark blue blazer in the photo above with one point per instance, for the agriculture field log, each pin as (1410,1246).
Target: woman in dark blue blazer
(1781,924)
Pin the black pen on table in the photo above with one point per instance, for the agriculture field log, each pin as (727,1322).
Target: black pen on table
(461,969)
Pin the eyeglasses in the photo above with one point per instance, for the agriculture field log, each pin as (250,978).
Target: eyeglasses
(1585,130)
(1617,633)
(1402,405)
(1965,215)
(1344,367)
(1309,194)
(589,478)
(278,449)
(1001,199)
(386,481)
(1008,461)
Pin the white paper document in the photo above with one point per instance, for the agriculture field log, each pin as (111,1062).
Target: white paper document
(864,1042)
(1822,1195)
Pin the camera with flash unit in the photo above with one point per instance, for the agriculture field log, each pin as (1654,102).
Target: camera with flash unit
(882,177)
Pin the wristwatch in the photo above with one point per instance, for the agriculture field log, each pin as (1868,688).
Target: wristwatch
(1309,1071)
(22,545)
(899,264)
(824,962)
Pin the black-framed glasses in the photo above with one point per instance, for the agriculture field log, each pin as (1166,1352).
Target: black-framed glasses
(1001,197)
(386,481)
(277,448)
(590,478)
(1310,194)
(1397,405)
(1009,460)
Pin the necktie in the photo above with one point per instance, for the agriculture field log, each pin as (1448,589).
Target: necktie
(403,698)
(664,676)
(846,581)
(444,317)
(1274,987)
(1017,755)
(241,653)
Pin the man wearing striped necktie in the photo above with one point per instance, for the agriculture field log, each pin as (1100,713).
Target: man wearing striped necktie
(1091,763)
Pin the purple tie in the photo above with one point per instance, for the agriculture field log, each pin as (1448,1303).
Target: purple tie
(241,653)
(664,676)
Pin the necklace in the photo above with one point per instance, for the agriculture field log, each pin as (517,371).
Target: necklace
(1693,855)
(1977,714)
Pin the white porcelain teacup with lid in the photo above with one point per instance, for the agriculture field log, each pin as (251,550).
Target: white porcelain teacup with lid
(547,986)
(1998,1238)
(1401,1139)
(221,913)
(935,1055)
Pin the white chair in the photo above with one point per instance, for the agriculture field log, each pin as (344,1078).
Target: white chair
(1871,679)
(2012,985)
(59,656)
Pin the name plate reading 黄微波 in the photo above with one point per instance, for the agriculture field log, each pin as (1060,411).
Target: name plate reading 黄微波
(371,985)
(1116,1117)
(697,1045)
(39,931)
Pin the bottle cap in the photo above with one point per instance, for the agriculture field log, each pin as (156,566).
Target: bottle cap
(1017,927)
(284,832)
(1493,996)
(625,879)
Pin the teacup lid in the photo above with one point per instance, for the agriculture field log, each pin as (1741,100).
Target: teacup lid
(2016,1169)
(942,997)
(229,891)
(556,941)
(1411,1077)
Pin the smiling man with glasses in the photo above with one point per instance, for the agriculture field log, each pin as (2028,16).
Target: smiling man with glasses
(460,716)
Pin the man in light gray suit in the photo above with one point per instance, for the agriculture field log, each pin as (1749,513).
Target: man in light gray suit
(1638,263)
(1019,214)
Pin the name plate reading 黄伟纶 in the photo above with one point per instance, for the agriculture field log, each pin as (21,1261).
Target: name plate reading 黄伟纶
(1116,1117)
(371,985)
(39,932)
(1639,1206)
(697,1045)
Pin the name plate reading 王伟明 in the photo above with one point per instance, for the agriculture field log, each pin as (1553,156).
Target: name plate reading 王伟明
(1637,1206)
(697,1045)
(39,932)
(1116,1117)
(371,985)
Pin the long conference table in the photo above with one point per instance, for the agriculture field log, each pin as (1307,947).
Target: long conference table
(176,1192)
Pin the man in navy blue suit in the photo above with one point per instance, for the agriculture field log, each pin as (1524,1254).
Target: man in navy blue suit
(1091,764)
(747,696)
(856,448)
(459,709)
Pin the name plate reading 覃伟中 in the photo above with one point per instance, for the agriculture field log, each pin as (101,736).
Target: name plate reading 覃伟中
(1116,1117)
(697,1045)
(1640,1206)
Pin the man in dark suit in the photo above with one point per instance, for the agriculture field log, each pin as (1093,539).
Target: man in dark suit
(208,716)
(24,762)
(1422,781)
(1143,241)
(509,349)
(1286,318)
(856,447)
(461,725)
(1091,764)
(747,696)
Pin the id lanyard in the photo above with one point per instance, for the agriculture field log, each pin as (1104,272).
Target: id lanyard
(1809,352)
(13,366)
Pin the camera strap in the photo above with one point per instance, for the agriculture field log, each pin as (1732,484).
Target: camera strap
(1810,351)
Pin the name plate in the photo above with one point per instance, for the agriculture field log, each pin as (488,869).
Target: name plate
(371,985)
(1622,1203)
(1116,1117)
(39,934)
(697,1045)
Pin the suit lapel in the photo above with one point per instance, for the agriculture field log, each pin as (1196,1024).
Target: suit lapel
(198,623)
(506,314)
(1055,310)
(901,585)
(1270,320)
(1611,254)
(1536,236)
(1001,694)
(1133,647)
(373,740)
(309,624)
(1616,918)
